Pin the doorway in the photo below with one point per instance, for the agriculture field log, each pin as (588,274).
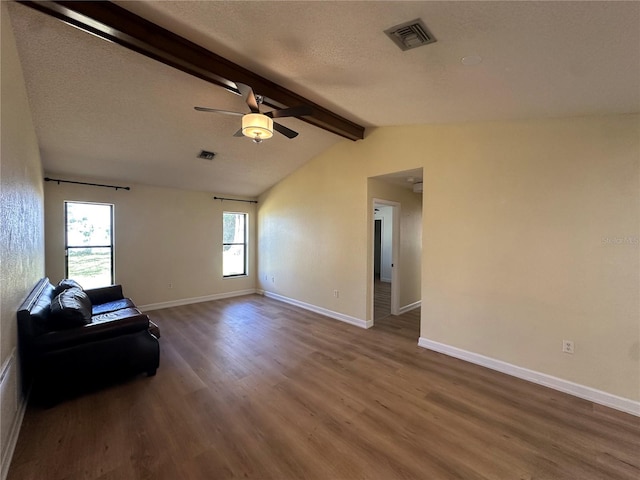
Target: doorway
(385,254)
(377,248)
(394,279)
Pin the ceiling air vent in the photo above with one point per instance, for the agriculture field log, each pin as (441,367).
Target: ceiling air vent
(206,155)
(410,35)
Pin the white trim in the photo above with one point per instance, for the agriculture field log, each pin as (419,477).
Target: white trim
(597,396)
(409,307)
(4,371)
(322,311)
(189,301)
(385,279)
(12,439)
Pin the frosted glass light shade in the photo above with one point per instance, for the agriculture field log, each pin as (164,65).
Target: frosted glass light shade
(256,125)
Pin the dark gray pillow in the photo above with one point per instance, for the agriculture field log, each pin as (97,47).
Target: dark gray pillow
(72,308)
(66,284)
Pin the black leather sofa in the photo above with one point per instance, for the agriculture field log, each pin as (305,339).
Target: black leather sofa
(70,338)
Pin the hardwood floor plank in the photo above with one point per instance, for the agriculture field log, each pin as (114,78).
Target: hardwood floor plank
(253,388)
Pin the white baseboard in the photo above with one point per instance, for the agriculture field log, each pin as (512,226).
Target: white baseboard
(385,279)
(189,301)
(9,369)
(13,439)
(322,311)
(575,389)
(408,308)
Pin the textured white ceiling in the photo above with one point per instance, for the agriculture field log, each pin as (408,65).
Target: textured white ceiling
(104,111)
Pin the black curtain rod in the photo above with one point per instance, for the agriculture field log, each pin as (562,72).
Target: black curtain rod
(47,179)
(235,200)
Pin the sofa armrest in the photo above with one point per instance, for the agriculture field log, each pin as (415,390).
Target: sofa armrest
(97,330)
(105,294)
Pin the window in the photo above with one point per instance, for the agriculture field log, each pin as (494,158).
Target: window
(234,244)
(89,243)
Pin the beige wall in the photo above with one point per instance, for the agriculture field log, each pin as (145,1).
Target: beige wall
(517,260)
(311,242)
(162,236)
(410,248)
(515,256)
(21,224)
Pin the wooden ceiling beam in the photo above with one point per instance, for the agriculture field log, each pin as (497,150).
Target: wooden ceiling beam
(116,24)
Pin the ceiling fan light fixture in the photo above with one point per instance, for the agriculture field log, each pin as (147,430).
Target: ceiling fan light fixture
(257,126)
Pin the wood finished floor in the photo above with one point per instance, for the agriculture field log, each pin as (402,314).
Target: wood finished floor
(381,299)
(254,388)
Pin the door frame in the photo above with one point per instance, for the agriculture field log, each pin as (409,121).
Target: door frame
(395,250)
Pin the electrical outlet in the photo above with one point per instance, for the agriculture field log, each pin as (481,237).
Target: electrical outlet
(273,279)
(170,285)
(567,346)
(336,293)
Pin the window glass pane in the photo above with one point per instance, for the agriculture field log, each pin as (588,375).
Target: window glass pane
(233,260)
(234,244)
(90,267)
(233,228)
(89,243)
(88,224)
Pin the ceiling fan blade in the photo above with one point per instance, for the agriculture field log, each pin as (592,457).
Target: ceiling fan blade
(290,112)
(215,110)
(287,132)
(249,97)
(238,133)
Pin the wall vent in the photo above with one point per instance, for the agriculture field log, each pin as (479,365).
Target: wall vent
(206,155)
(410,35)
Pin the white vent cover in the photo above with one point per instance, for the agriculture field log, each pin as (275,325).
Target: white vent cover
(417,187)
(410,35)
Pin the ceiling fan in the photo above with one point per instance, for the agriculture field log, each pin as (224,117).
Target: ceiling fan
(259,126)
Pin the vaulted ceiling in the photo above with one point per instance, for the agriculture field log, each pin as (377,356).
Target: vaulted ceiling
(103,111)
